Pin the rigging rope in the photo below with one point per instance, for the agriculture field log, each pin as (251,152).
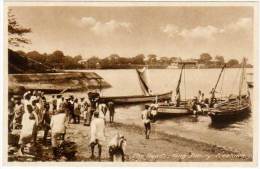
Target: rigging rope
(222,81)
(184,85)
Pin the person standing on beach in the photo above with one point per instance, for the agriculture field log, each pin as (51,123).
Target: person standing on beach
(18,113)
(81,105)
(29,124)
(58,129)
(97,134)
(146,118)
(102,108)
(59,101)
(36,111)
(46,121)
(54,103)
(85,110)
(111,109)
(77,111)
(71,109)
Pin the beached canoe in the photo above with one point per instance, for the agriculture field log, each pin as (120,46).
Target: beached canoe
(136,98)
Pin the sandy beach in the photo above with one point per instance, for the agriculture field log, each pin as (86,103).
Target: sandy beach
(160,147)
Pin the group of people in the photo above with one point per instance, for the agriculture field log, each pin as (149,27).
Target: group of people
(31,113)
(200,103)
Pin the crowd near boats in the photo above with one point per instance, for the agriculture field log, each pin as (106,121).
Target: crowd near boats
(222,109)
(34,111)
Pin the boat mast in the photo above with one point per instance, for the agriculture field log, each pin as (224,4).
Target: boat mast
(214,89)
(179,82)
(241,79)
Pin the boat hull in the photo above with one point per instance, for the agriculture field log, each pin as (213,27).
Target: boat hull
(136,99)
(229,115)
(173,111)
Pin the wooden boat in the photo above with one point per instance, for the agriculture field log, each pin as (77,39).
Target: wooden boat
(229,112)
(136,98)
(232,109)
(172,109)
(147,96)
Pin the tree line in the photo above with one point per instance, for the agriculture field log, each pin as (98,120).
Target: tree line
(58,60)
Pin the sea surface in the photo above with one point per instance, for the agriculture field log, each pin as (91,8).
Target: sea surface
(237,135)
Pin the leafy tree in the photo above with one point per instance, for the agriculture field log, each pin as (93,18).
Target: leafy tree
(113,59)
(36,56)
(164,60)
(139,59)
(205,58)
(152,59)
(16,32)
(77,58)
(93,62)
(56,57)
(220,59)
(173,59)
(232,63)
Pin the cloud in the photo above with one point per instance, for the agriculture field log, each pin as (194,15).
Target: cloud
(242,24)
(104,28)
(201,32)
(207,32)
(170,29)
(88,21)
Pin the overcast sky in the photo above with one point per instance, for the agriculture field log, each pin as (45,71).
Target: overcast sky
(165,31)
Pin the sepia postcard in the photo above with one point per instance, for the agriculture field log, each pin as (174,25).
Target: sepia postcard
(130,83)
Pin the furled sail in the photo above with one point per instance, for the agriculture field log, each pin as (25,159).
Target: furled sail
(144,79)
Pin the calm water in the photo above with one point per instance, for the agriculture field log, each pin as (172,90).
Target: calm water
(237,135)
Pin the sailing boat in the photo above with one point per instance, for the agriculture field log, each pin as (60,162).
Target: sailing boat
(233,108)
(147,96)
(178,109)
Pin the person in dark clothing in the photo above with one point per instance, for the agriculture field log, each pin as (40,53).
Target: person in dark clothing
(54,103)
(46,121)
(111,109)
(77,111)
(71,110)
(93,98)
